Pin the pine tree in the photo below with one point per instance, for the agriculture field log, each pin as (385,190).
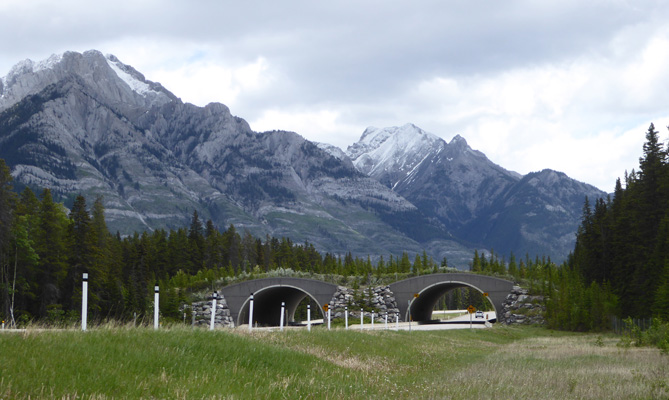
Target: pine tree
(476,263)
(7,204)
(513,266)
(417,265)
(52,250)
(196,246)
(106,264)
(80,241)
(25,259)
(405,264)
(661,301)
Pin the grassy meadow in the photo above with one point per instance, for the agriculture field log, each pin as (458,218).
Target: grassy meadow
(183,363)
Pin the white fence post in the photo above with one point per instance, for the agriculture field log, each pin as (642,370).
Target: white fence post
(213,311)
(309,317)
(156,307)
(329,308)
(346,317)
(386,320)
(283,306)
(372,320)
(362,315)
(84,301)
(251,313)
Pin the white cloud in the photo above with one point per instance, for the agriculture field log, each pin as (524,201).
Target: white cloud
(203,82)
(327,123)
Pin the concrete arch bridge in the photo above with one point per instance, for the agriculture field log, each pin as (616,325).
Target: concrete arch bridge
(269,293)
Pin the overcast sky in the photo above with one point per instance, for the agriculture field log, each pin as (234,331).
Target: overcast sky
(567,85)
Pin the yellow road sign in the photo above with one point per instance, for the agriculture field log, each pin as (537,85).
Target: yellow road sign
(471,309)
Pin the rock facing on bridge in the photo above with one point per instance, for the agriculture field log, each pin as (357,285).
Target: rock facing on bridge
(202,314)
(378,299)
(520,308)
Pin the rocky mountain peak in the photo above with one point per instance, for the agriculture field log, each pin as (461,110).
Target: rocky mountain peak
(106,76)
(458,141)
(87,123)
(394,148)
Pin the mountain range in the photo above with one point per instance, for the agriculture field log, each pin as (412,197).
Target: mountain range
(89,124)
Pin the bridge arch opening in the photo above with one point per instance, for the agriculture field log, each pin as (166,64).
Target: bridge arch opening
(421,308)
(267,306)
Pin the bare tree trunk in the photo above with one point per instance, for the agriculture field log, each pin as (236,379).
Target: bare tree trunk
(11,305)
(4,285)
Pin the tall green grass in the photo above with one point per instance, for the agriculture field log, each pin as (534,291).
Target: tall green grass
(183,363)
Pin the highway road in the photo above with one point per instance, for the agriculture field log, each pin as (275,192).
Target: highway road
(460,322)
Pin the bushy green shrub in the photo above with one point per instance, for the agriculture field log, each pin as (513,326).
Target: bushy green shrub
(657,335)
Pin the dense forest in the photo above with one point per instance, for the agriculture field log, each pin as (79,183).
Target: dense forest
(623,242)
(620,264)
(45,248)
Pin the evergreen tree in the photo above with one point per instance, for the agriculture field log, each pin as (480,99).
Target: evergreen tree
(476,263)
(405,264)
(52,250)
(661,301)
(418,265)
(25,259)
(513,266)
(196,245)
(623,242)
(81,244)
(105,268)
(231,246)
(7,204)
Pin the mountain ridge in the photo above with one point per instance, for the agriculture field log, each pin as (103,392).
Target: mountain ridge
(475,198)
(87,123)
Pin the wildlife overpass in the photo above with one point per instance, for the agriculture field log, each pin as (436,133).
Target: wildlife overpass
(269,293)
(415,297)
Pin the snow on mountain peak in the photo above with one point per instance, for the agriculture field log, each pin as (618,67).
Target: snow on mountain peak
(48,63)
(394,148)
(95,69)
(407,137)
(30,66)
(123,72)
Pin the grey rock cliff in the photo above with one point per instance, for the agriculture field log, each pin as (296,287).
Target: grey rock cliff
(87,123)
(473,198)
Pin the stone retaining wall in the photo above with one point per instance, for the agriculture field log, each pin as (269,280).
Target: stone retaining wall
(202,314)
(520,308)
(378,299)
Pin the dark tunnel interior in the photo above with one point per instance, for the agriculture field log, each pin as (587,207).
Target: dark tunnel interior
(267,306)
(422,306)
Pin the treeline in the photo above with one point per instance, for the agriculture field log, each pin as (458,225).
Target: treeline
(623,242)
(620,263)
(45,249)
(571,303)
